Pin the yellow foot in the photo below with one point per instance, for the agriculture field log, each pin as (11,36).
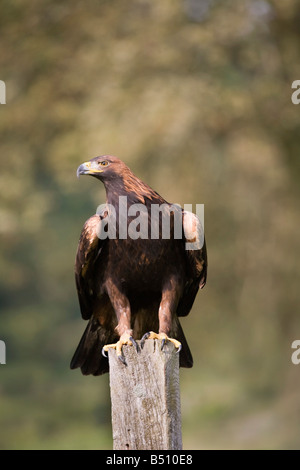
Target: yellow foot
(163,337)
(124,339)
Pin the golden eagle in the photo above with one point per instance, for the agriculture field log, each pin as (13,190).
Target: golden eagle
(134,284)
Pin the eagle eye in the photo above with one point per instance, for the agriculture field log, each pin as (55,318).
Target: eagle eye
(103,163)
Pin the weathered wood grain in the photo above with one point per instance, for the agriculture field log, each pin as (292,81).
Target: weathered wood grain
(145,398)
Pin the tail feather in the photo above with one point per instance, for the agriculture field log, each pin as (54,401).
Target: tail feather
(88,353)
(185,355)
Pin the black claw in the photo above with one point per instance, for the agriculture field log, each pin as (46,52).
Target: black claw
(104,353)
(137,348)
(146,336)
(122,359)
(163,342)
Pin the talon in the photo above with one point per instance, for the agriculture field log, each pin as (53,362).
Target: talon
(137,348)
(146,336)
(163,342)
(122,359)
(103,352)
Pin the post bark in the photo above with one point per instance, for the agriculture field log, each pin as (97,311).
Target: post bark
(145,398)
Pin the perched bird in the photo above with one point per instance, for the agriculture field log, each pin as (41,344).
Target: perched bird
(133,281)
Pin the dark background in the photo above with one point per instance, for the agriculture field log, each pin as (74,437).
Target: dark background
(195,96)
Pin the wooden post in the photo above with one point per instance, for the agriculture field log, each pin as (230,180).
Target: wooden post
(145,398)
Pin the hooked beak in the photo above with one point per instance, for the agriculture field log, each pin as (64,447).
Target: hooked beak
(88,168)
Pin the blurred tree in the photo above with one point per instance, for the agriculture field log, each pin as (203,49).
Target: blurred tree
(196,98)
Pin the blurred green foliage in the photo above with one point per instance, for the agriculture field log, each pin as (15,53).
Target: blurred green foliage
(195,96)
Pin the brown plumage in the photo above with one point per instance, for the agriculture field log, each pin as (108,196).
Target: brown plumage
(128,287)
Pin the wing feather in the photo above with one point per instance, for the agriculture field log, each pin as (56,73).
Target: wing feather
(196,257)
(89,250)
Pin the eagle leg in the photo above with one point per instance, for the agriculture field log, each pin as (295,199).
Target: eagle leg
(161,336)
(121,306)
(124,339)
(169,301)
